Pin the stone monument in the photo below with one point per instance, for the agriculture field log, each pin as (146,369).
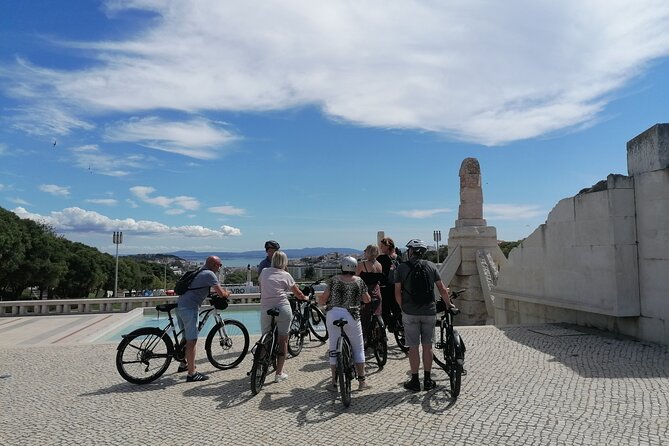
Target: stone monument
(473,253)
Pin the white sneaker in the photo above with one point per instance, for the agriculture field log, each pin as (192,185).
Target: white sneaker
(282,377)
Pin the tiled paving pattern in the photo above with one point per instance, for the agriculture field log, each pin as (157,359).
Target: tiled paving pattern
(523,388)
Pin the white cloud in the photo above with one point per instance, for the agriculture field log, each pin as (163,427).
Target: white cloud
(103,201)
(50,119)
(96,161)
(3,149)
(511,211)
(19,201)
(182,201)
(59,191)
(422,213)
(227,210)
(479,71)
(79,220)
(196,138)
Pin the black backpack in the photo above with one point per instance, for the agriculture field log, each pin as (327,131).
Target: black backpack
(183,284)
(422,285)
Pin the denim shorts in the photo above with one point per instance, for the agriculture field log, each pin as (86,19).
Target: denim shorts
(188,320)
(418,330)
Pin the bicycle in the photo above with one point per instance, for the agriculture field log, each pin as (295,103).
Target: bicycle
(398,332)
(143,355)
(265,353)
(345,372)
(451,344)
(377,337)
(307,319)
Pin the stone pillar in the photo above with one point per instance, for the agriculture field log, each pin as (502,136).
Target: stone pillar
(470,212)
(472,234)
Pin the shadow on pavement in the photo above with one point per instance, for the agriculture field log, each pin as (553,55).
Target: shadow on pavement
(593,353)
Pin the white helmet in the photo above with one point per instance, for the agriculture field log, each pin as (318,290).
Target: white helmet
(419,246)
(349,264)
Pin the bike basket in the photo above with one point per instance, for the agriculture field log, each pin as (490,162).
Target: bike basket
(219,303)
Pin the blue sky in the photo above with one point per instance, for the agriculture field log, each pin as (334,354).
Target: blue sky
(213,126)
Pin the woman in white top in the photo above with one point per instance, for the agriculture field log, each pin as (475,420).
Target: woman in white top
(276,284)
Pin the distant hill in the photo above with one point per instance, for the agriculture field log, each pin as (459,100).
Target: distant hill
(291,253)
(170,258)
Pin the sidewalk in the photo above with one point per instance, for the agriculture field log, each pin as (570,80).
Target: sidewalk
(540,385)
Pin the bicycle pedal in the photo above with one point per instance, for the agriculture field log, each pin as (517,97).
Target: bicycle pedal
(437,345)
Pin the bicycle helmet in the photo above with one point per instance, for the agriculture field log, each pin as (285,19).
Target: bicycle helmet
(271,244)
(418,246)
(349,264)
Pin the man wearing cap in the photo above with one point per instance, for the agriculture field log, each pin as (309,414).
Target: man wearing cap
(271,246)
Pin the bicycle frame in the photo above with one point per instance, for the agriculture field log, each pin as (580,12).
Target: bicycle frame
(350,373)
(177,349)
(264,355)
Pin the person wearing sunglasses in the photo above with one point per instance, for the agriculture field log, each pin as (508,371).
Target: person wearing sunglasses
(188,310)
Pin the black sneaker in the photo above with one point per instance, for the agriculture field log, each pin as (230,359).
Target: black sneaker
(428,384)
(414,386)
(182,367)
(196,377)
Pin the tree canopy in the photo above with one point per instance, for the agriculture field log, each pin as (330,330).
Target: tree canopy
(35,262)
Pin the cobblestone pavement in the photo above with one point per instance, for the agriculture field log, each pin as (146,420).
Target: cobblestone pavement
(526,386)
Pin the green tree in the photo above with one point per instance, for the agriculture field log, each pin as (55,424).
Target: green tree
(506,247)
(310,273)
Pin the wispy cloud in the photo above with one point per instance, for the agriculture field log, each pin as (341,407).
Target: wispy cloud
(144,193)
(19,201)
(103,201)
(196,138)
(511,211)
(75,219)
(46,120)
(422,213)
(53,189)
(477,71)
(227,210)
(92,158)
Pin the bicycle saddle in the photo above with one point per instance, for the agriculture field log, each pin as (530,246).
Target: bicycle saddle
(166,307)
(340,322)
(273,312)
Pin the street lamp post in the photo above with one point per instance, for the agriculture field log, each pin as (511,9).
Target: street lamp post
(165,277)
(437,239)
(118,239)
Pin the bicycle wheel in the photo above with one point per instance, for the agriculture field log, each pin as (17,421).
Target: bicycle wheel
(343,373)
(454,369)
(399,336)
(439,352)
(143,355)
(261,361)
(317,324)
(296,336)
(227,344)
(379,342)
(435,357)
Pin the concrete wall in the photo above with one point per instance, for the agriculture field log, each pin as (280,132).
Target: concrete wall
(602,257)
